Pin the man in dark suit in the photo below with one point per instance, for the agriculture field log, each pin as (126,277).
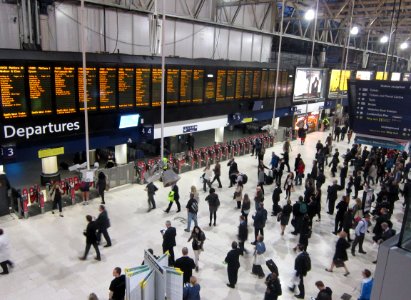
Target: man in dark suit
(332,197)
(343,175)
(169,241)
(91,238)
(185,264)
(233,264)
(302,266)
(242,234)
(103,223)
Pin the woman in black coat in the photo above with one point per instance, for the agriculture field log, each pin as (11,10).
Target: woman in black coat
(340,256)
(318,203)
(347,223)
(285,216)
(101,185)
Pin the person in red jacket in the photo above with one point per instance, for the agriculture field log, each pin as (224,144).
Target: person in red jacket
(300,173)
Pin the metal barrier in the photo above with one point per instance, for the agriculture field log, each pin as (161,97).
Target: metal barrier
(119,175)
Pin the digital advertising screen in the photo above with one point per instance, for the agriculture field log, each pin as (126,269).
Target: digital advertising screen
(108,80)
(126,87)
(381,76)
(128,121)
(308,84)
(12,92)
(339,83)
(65,91)
(172,86)
(221,85)
(143,76)
(198,85)
(92,88)
(406,77)
(186,85)
(395,76)
(363,75)
(230,86)
(40,90)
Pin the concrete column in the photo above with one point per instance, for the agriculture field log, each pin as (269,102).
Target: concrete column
(92,156)
(49,170)
(219,135)
(121,154)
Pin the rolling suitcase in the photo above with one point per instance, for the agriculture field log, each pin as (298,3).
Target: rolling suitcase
(272,266)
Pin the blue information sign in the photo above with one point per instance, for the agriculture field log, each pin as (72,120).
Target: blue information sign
(381,108)
(191,128)
(147,132)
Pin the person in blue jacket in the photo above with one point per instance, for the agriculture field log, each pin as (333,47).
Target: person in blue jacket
(366,285)
(192,290)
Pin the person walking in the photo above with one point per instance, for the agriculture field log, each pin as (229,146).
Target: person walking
(151,190)
(233,264)
(245,207)
(101,185)
(286,159)
(300,172)
(341,207)
(349,135)
(276,200)
(91,238)
(238,194)
(259,258)
(213,204)
(343,175)
(366,285)
(217,174)
(340,255)
(191,291)
(302,265)
(173,196)
(259,218)
(103,223)
(56,193)
(192,210)
(193,190)
(289,185)
(273,290)
(261,178)
(332,192)
(169,241)
(242,234)
(185,264)
(259,197)
(117,286)
(232,171)
(208,173)
(325,293)
(360,231)
(5,261)
(198,238)
(284,216)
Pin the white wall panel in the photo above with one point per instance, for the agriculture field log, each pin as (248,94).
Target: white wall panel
(203,41)
(234,48)
(248,17)
(94,29)
(206,11)
(266,51)
(141,35)
(184,39)
(9,26)
(67,27)
(118,31)
(51,28)
(169,34)
(239,20)
(256,51)
(247,45)
(221,51)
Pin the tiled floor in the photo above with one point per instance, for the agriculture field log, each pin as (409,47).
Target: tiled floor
(45,248)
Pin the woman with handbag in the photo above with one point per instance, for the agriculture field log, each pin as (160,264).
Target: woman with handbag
(259,258)
(198,238)
(238,194)
(56,193)
(340,256)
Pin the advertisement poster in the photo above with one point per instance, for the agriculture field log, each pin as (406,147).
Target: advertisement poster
(406,77)
(381,76)
(308,84)
(363,75)
(310,125)
(395,76)
(338,82)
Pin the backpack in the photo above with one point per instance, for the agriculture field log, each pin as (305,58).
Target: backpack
(303,208)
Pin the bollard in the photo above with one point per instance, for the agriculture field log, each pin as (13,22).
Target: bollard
(72,193)
(41,201)
(26,207)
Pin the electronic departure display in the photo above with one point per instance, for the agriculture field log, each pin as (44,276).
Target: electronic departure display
(156,87)
(271,83)
(40,90)
(186,85)
(210,84)
(283,88)
(239,85)
(12,92)
(381,108)
(264,83)
(230,89)
(221,85)
(198,86)
(256,84)
(248,84)
(126,87)
(92,89)
(107,77)
(64,87)
(143,76)
(172,86)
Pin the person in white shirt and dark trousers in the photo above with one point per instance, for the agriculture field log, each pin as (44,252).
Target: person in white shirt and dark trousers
(360,231)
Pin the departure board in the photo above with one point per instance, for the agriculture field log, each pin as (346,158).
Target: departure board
(12,92)
(256,84)
(172,86)
(230,90)
(239,86)
(198,86)
(210,87)
(107,77)
(125,87)
(40,90)
(264,83)
(92,90)
(156,87)
(143,86)
(248,84)
(221,85)
(271,83)
(284,84)
(186,85)
(64,88)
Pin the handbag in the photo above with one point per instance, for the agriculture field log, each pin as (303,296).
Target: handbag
(339,263)
(259,259)
(279,217)
(107,186)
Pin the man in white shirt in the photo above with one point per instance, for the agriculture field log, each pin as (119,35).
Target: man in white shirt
(360,231)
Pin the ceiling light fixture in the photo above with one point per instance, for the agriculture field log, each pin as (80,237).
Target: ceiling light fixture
(354,30)
(309,15)
(384,39)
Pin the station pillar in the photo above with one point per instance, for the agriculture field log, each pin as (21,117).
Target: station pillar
(121,154)
(219,135)
(49,170)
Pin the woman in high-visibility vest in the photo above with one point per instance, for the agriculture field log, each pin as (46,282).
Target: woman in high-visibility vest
(173,196)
